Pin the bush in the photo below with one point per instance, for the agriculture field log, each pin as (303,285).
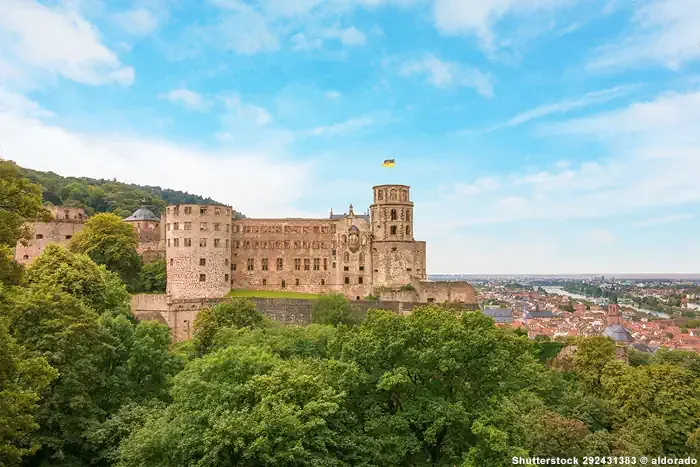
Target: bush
(334,309)
(235,313)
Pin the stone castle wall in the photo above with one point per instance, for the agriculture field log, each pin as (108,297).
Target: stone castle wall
(180,315)
(66,223)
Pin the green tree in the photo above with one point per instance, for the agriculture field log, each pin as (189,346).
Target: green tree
(11,272)
(153,278)
(333,309)
(79,276)
(20,202)
(234,313)
(110,241)
(592,355)
(22,379)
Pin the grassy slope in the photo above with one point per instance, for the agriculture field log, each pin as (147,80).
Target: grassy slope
(271,294)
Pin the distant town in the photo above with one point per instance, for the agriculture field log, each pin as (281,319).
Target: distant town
(644,312)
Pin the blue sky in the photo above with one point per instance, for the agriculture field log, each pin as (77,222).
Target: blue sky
(539,136)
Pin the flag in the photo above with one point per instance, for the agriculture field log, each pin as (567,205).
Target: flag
(389,163)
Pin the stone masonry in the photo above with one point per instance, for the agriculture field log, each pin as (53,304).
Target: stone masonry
(65,223)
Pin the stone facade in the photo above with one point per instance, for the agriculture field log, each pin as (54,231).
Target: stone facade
(209,253)
(65,223)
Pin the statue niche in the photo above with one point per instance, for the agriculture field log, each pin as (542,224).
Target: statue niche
(354,239)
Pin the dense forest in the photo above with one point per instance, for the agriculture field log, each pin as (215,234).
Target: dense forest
(82,383)
(108,195)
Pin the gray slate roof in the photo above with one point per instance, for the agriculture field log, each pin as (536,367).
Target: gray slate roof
(540,314)
(499,315)
(142,214)
(618,333)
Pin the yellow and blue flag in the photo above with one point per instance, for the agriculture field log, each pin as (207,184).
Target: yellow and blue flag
(389,163)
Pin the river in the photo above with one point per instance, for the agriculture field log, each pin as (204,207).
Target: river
(561,291)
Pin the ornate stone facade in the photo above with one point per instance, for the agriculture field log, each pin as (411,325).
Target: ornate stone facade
(359,255)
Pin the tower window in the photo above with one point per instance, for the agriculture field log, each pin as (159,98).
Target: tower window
(68,237)
(359,280)
(317,264)
(226,277)
(325,264)
(264,264)
(264,281)
(251,264)
(347,280)
(393,230)
(284,284)
(362,268)
(202,210)
(27,257)
(171,261)
(203,242)
(225,261)
(202,277)
(346,257)
(323,281)
(346,268)
(393,214)
(296,281)
(217,242)
(297,264)
(233,267)
(202,262)
(39,236)
(188,242)
(408,230)
(176,242)
(176,226)
(307,264)
(280,264)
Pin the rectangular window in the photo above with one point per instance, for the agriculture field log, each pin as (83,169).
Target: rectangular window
(188,225)
(297,264)
(171,261)
(264,281)
(188,209)
(226,277)
(202,277)
(280,264)
(323,281)
(203,242)
(284,284)
(238,244)
(68,237)
(202,210)
(346,268)
(333,252)
(217,242)
(217,211)
(333,264)
(168,242)
(317,264)
(325,264)
(188,242)
(227,244)
(202,262)
(233,267)
(296,281)
(176,242)
(307,264)
(359,280)
(256,244)
(264,264)
(176,226)
(167,226)
(225,261)
(227,227)
(217,226)
(362,268)
(347,280)
(393,230)
(202,226)
(251,264)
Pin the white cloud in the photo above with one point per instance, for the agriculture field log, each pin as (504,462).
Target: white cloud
(248,112)
(177,166)
(138,21)
(601,236)
(314,39)
(457,17)
(664,33)
(566,105)
(17,104)
(189,99)
(333,95)
(668,219)
(58,41)
(347,126)
(654,162)
(445,74)
(241,29)
(347,36)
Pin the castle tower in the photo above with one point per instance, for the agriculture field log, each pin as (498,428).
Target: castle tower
(392,213)
(398,260)
(198,250)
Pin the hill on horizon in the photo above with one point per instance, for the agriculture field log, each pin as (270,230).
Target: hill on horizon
(101,195)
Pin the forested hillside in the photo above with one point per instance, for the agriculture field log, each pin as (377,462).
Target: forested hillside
(83,384)
(107,195)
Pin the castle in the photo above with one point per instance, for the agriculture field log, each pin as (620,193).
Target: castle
(208,252)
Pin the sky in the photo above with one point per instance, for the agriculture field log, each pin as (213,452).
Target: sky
(538,136)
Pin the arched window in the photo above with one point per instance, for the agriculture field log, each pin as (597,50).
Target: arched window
(344,238)
(408,230)
(346,257)
(392,195)
(404,195)
(393,214)
(380,194)
(362,258)
(408,215)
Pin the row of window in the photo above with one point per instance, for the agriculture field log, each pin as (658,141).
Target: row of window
(203,278)
(287,229)
(203,210)
(393,215)
(392,194)
(202,242)
(41,236)
(279,245)
(283,283)
(202,226)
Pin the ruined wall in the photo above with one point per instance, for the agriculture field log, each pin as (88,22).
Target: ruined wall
(397,263)
(198,251)
(446,291)
(67,222)
(148,231)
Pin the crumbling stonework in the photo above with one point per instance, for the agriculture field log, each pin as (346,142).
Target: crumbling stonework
(65,223)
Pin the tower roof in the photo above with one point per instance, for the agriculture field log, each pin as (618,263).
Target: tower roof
(618,333)
(142,214)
